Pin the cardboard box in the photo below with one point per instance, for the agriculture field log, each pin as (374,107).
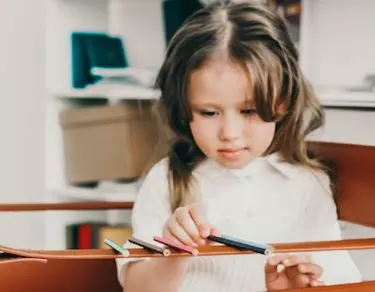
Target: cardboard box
(119,234)
(109,142)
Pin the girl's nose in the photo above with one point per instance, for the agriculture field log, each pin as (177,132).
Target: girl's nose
(230,129)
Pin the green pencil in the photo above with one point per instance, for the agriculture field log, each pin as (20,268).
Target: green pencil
(116,247)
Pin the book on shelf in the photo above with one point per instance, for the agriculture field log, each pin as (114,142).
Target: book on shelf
(91,235)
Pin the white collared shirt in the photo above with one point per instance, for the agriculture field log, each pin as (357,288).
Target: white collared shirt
(268,201)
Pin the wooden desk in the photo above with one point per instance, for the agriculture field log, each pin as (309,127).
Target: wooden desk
(354,180)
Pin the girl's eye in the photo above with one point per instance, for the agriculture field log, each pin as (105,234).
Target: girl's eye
(208,113)
(249,111)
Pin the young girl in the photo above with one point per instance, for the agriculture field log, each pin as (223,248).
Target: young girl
(240,109)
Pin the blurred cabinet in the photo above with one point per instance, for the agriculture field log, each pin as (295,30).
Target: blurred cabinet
(137,23)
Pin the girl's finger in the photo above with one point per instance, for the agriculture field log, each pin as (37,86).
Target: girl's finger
(292,272)
(314,270)
(293,260)
(271,272)
(178,232)
(167,234)
(271,267)
(277,259)
(215,232)
(197,214)
(301,281)
(315,283)
(184,219)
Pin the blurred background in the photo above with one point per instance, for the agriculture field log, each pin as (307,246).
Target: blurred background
(76,90)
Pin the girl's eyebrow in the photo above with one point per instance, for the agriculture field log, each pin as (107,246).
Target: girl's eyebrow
(204,105)
(250,104)
(199,105)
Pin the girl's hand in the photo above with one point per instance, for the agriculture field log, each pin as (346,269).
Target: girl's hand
(297,272)
(188,225)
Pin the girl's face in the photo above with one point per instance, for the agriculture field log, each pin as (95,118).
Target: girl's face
(225,125)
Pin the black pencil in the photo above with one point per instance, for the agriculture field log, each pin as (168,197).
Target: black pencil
(152,247)
(241,244)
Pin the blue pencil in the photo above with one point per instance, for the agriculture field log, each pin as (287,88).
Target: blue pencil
(242,244)
(260,245)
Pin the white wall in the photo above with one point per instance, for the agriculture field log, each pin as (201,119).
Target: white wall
(62,18)
(347,126)
(22,110)
(337,44)
(140,24)
(339,41)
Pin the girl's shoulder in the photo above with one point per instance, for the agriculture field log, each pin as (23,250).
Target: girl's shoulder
(315,181)
(294,170)
(299,174)
(158,170)
(155,177)
(153,188)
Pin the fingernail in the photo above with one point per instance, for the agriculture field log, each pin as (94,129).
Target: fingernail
(314,283)
(215,232)
(302,268)
(272,261)
(205,232)
(286,262)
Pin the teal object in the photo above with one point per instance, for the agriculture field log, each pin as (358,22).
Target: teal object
(116,247)
(89,50)
(175,13)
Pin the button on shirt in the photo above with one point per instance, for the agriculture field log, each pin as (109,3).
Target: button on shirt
(268,201)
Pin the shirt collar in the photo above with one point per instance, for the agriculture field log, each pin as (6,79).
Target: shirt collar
(211,169)
(285,168)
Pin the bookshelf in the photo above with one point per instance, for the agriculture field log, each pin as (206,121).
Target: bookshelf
(113,95)
(341,98)
(105,192)
(140,23)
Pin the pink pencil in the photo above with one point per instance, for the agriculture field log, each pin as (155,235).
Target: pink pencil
(177,246)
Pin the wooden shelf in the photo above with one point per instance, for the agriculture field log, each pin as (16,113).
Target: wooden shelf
(365,99)
(118,93)
(77,206)
(115,192)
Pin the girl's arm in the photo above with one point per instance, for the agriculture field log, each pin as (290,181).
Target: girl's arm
(150,213)
(154,275)
(320,222)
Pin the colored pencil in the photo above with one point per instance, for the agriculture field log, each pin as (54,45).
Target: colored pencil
(177,246)
(260,245)
(116,247)
(242,244)
(162,250)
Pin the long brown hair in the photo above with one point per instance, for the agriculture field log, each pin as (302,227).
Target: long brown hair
(254,36)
